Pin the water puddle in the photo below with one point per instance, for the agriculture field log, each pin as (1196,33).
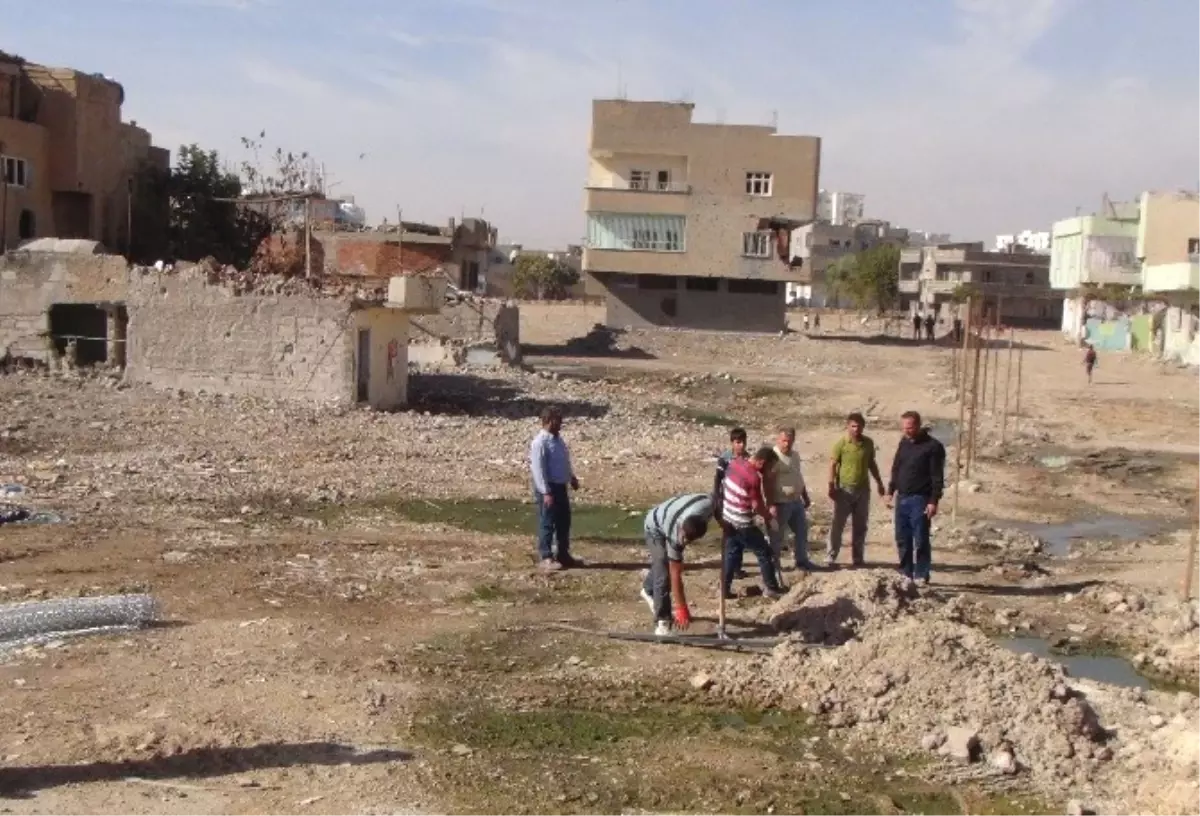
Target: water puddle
(1057,537)
(1101,668)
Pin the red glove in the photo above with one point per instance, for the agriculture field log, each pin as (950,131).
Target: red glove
(683,618)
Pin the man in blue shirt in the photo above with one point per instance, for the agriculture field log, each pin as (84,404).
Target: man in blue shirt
(550,465)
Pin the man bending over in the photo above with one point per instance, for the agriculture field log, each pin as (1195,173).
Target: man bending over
(670,527)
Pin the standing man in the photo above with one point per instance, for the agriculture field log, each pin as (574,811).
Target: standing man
(851,466)
(742,500)
(789,500)
(737,450)
(930,323)
(918,476)
(958,328)
(670,527)
(550,464)
(1089,361)
(916,321)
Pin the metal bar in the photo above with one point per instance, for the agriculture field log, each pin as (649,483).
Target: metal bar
(1012,336)
(1191,565)
(1017,409)
(974,422)
(961,387)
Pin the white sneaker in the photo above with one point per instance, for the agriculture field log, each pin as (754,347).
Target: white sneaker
(648,598)
(662,629)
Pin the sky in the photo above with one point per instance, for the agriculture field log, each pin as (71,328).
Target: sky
(973,117)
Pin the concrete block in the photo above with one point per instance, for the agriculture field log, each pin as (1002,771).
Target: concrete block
(417,295)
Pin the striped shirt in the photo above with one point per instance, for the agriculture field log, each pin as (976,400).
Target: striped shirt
(665,520)
(742,494)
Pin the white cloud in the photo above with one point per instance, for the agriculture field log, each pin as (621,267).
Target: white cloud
(970,134)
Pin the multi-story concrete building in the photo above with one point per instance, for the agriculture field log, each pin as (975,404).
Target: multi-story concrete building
(1032,240)
(71,167)
(840,208)
(1168,242)
(1093,250)
(816,246)
(924,238)
(688,222)
(1016,285)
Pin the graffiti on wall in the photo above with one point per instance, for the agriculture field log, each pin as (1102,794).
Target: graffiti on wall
(1108,335)
(393,351)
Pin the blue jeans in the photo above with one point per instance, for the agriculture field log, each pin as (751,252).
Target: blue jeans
(554,522)
(658,580)
(912,536)
(740,540)
(791,516)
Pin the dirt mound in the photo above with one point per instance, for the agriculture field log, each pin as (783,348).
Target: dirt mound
(837,607)
(910,678)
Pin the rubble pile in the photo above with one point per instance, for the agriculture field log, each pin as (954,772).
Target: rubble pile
(910,678)
(989,538)
(1164,622)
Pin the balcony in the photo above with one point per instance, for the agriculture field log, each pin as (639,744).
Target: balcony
(909,286)
(1176,277)
(652,186)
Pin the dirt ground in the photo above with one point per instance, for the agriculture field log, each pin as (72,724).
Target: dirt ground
(355,624)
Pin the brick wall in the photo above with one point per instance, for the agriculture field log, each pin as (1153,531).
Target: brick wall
(189,334)
(369,257)
(31,282)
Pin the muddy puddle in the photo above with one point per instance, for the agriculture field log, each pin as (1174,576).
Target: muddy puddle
(1101,668)
(1057,538)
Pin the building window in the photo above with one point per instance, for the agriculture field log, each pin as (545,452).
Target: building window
(758,184)
(742,286)
(658,283)
(26,225)
(643,233)
(664,180)
(1029,278)
(987,276)
(16,171)
(639,179)
(756,244)
(1193,248)
(702,284)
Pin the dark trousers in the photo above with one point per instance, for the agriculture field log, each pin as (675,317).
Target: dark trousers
(554,522)
(748,538)
(912,536)
(658,579)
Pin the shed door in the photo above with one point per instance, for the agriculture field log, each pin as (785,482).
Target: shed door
(364,364)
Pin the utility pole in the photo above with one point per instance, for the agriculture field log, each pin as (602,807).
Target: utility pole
(996,351)
(1012,335)
(987,353)
(1017,409)
(974,424)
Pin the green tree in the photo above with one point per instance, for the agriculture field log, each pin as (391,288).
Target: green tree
(542,278)
(875,282)
(205,219)
(837,280)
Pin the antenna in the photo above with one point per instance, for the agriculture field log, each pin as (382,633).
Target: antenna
(775,119)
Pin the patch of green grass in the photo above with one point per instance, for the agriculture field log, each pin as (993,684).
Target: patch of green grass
(508,517)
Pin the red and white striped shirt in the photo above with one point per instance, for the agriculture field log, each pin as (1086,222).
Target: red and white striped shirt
(742,494)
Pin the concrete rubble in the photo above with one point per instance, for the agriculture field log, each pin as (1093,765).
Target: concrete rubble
(910,677)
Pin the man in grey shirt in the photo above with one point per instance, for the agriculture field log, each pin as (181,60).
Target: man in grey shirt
(550,466)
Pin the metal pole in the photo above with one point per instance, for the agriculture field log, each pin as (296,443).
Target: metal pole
(1017,409)
(1191,565)
(1012,334)
(987,353)
(974,426)
(996,351)
(960,385)
(3,200)
(308,237)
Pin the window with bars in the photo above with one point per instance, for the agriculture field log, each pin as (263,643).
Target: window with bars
(641,233)
(16,171)
(756,244)
(639,179)
(758,183)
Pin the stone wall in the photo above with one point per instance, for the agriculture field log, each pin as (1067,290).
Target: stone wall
(32,282)
(187,333)
(448,337)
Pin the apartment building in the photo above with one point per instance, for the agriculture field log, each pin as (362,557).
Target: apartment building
(840,209)
(1015,284)
(70,165)
(817,246)
(688,223)
(1168,242)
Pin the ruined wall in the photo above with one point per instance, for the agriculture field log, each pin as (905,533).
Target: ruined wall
(630,305)
(386,368)
(31,282)
(448,336)
(189,334)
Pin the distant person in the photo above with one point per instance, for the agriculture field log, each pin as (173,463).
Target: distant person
(918,478)
(958,329)
(916,321)
(930,322)
(852,465)
(788,496)
(816,320)
(806,321)
(550,465)
(1089,362)
(670,527)
(741,501)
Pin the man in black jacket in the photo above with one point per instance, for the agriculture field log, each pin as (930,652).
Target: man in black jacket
(918,477)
